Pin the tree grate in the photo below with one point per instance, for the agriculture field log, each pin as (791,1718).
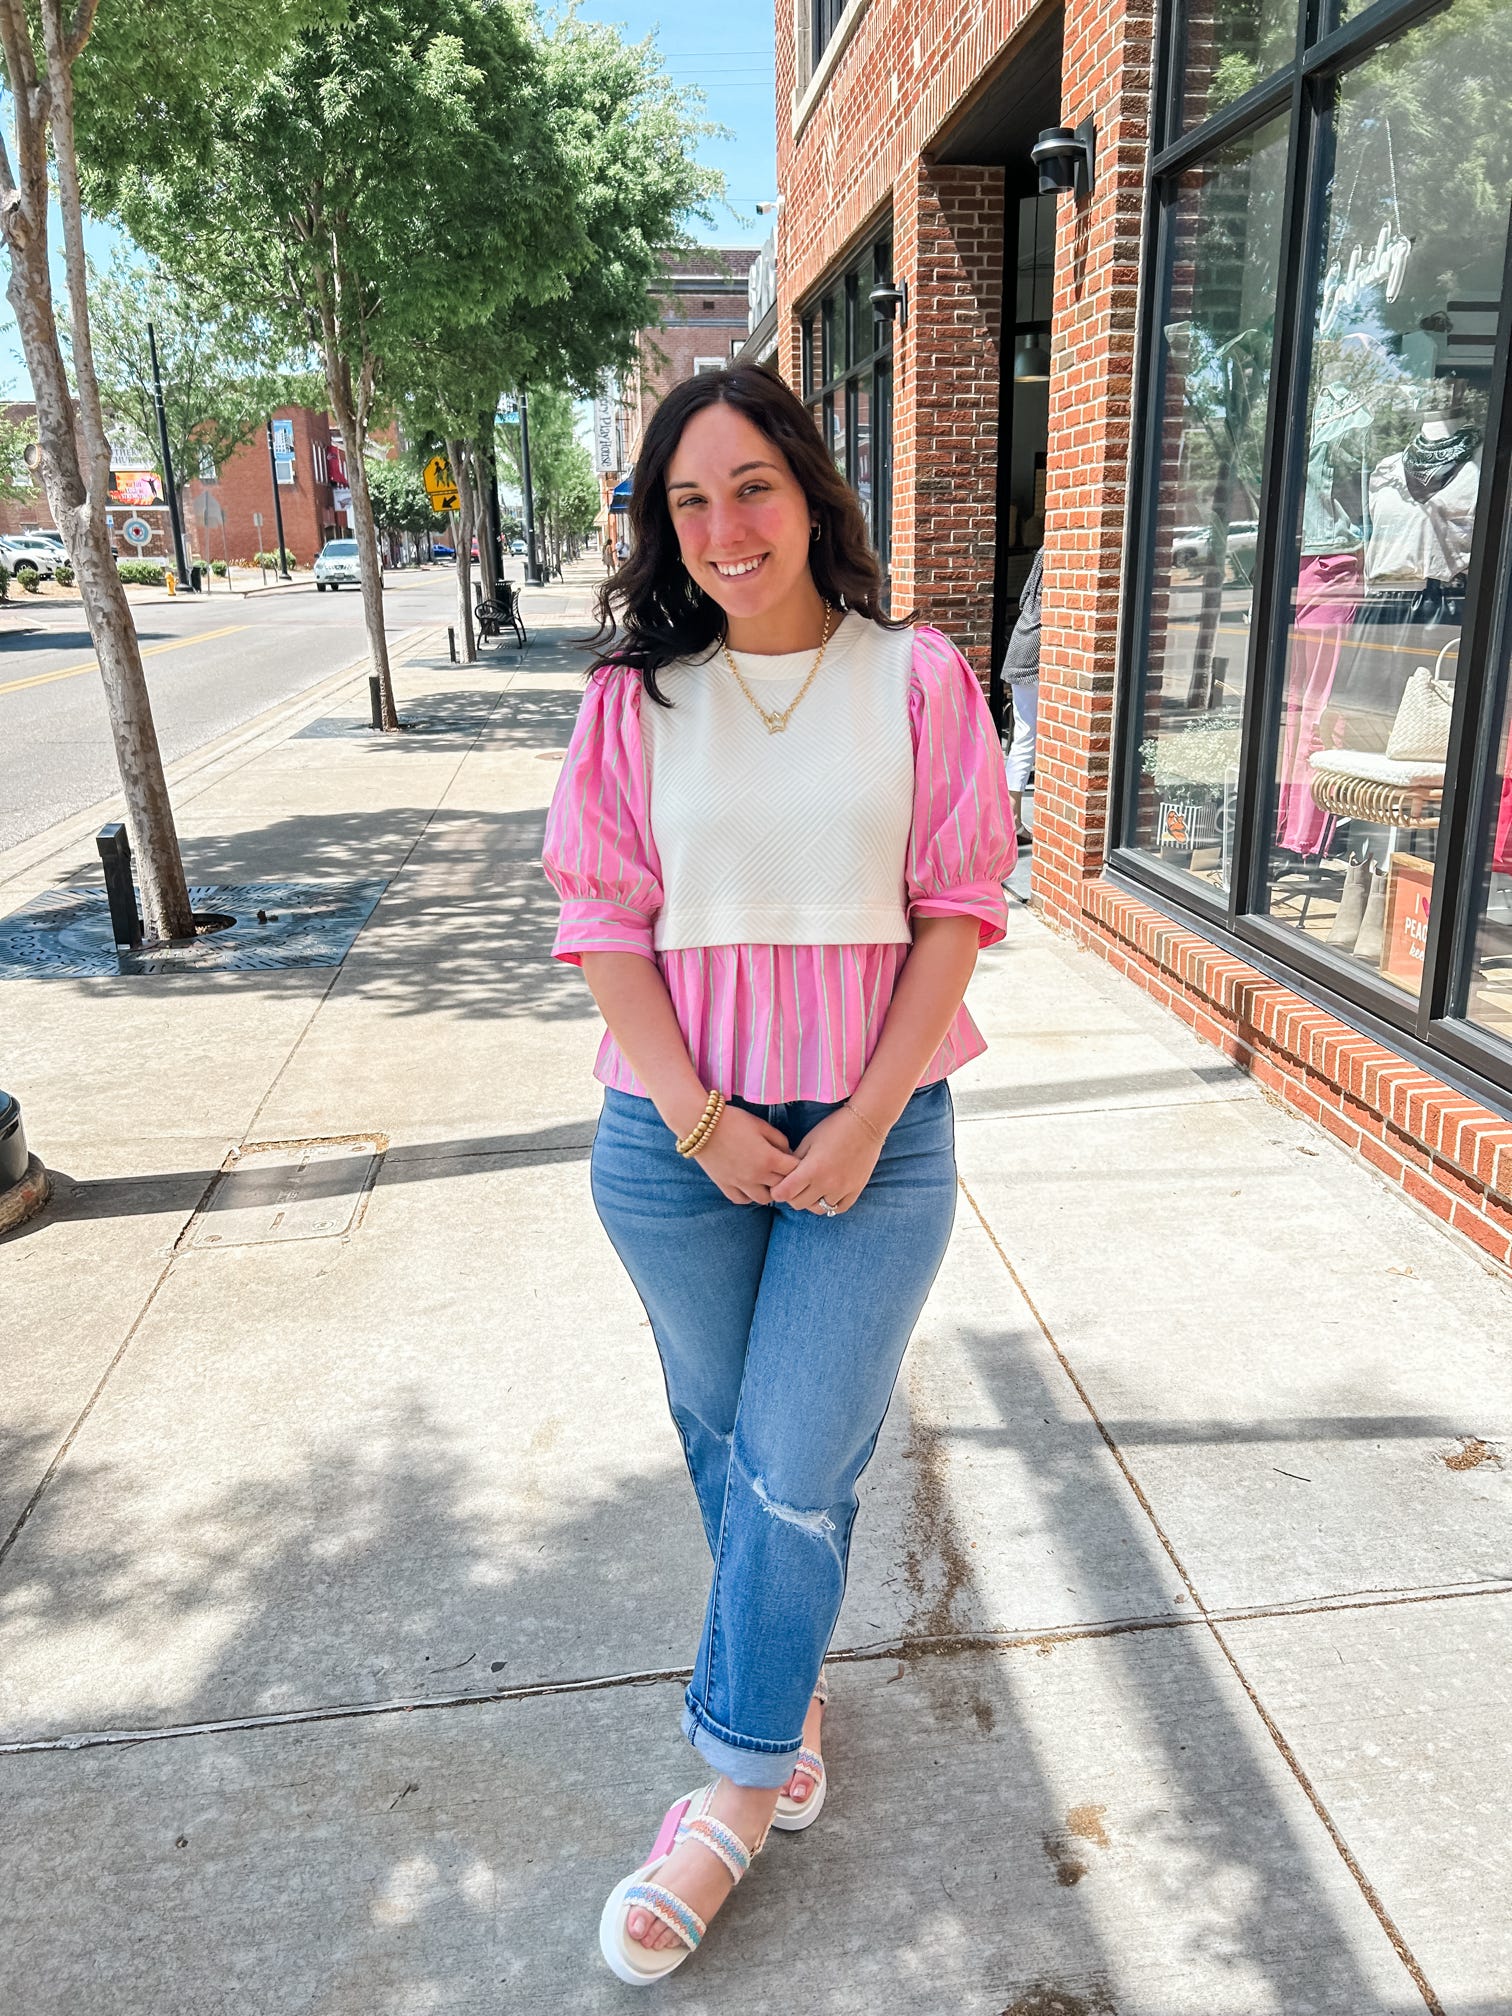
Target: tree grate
(66,934)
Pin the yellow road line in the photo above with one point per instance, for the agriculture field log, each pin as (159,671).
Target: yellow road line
(92,664)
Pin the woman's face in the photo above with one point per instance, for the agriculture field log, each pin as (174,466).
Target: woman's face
(742,520)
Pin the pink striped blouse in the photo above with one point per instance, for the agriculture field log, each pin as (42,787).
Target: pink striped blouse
(774,1022)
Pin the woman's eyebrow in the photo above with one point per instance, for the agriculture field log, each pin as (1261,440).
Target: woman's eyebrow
(686,484)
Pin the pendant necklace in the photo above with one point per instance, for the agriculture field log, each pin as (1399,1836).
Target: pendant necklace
(777,719)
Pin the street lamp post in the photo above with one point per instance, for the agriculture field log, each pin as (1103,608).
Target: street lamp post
(180,556)
(283,564)
(532,566)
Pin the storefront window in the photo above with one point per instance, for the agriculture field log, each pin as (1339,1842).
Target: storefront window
(1229,46)
(847,382)
(1490,1001)
(1316,658)
(1225,230)
(1404,328)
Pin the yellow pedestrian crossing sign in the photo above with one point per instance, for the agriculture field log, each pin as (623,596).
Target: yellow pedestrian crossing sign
(439,486)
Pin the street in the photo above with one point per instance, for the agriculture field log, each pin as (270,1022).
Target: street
(212,662)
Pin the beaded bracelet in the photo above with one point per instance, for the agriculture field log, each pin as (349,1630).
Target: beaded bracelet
(692,1142)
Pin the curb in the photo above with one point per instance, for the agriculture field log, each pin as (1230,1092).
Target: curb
(25,1199)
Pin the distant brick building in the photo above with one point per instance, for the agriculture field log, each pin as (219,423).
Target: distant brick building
(703,321)
(1228,351)
(219,514)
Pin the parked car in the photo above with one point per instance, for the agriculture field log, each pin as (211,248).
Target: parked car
(337,565)
(440,552)
(1192,546)
(28,549)
(517,546)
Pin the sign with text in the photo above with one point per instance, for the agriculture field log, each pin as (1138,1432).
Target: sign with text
(1409,897)
(605,461)
(135,486)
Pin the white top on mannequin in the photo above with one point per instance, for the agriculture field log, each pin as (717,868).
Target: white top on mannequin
(1411,540)
(799,838)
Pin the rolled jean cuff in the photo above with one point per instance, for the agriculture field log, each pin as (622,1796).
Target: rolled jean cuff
(736,1761)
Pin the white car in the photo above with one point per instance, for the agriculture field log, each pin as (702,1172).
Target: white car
(21,549)
(337,566)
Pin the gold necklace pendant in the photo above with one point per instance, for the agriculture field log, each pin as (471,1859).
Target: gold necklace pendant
(775,721)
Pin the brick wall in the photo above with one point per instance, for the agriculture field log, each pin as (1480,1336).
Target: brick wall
(245,486)
(864,151)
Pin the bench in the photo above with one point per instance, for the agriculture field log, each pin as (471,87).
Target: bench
(494,618)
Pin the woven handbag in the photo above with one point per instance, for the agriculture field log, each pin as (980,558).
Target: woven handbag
(1420,732)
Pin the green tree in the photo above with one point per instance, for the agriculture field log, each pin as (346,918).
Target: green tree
(223,371)
(399,500)
(563,485)
(16,436)
(77,82)
(392,175)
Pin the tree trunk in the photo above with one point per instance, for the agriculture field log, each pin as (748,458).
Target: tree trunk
(77,488)
(462,521)
(487,553)
(353,425)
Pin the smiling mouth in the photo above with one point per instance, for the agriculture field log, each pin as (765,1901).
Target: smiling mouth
(737,570)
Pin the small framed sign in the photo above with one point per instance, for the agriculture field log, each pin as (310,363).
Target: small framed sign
(1409,897)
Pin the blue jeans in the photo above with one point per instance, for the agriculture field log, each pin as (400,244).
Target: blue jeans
(780,1335)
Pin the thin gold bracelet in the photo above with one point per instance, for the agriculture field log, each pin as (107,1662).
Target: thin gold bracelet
(870,1125)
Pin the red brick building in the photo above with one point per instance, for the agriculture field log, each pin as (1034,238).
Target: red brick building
(703,322)
(1234,350)
(312,492)
(219,514)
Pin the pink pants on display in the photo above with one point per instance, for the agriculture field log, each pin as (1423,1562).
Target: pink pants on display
(1328,595)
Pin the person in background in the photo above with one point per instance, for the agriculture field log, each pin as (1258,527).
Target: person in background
(1021,669)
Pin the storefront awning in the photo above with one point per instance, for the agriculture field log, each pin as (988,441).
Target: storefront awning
(620,501)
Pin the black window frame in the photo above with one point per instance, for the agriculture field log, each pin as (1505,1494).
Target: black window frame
(1433,1028)
(824,19)
(842,301)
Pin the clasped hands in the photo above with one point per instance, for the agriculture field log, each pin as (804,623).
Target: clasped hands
(750,1161)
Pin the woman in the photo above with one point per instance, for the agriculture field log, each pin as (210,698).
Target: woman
(779,838)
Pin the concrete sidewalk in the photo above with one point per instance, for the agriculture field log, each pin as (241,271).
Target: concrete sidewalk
(350,1577)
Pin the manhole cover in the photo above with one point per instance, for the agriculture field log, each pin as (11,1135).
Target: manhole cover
(286,1190)
(66,934)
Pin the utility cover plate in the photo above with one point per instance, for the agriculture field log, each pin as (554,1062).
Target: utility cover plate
(288,1190)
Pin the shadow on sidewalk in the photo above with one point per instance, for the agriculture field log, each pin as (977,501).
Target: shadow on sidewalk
(956,1874)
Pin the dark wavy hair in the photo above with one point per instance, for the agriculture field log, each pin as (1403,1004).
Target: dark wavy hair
(651,611)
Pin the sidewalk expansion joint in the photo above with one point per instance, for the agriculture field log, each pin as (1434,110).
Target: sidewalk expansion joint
(1211,1621)
(882,1651)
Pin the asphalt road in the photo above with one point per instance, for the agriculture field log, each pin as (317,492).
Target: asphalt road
(212,662)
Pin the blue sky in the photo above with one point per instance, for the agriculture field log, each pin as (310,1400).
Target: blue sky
(726,51)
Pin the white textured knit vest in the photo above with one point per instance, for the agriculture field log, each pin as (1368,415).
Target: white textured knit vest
(799,838)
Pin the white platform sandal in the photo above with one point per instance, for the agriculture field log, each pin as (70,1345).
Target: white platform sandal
(793,1815)
(688,1820)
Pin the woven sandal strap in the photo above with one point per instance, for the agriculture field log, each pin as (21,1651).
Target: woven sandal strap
(670,1910)
(720,1840)
(810,1763)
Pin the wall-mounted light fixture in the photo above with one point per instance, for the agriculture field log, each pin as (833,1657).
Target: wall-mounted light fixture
(1066,157)
(890,301)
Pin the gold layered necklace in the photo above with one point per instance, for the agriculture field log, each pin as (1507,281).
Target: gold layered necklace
(777,719)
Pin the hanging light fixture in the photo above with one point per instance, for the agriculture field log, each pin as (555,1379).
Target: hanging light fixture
(1031,361)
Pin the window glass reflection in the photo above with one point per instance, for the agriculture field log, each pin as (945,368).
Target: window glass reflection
(1225,230)
(1404,329)
(1490,1000)
(1228,46)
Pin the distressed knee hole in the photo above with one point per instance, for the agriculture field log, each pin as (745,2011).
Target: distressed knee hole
(806,1522)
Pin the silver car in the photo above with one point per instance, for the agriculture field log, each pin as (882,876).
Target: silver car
(337,566)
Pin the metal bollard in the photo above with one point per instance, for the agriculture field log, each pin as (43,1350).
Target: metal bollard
(375,697)
(451,642)
(120,889)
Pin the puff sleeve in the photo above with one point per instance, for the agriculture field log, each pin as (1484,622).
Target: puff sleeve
(962,845)
(599,855)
